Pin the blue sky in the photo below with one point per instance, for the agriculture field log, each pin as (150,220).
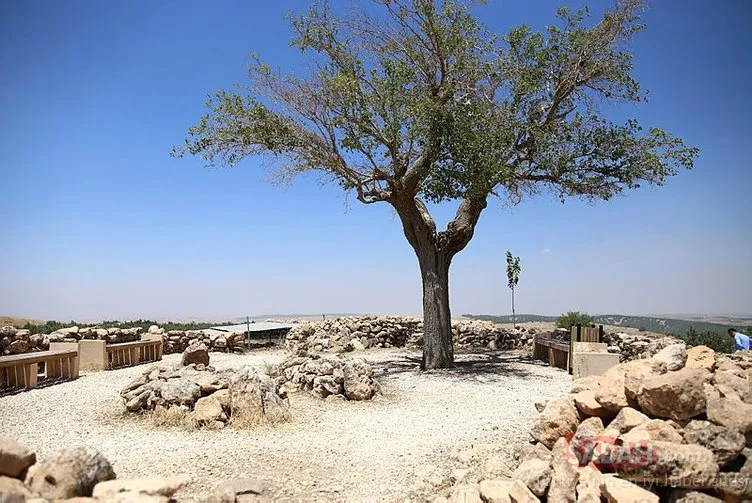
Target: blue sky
(99,222)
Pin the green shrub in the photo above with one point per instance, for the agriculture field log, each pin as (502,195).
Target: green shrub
(574,318)
(720,343)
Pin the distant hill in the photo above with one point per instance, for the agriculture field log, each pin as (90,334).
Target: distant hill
(648,323)
(18,322)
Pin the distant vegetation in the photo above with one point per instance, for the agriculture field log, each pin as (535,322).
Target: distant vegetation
(643,323)
(722,342)
(50,326)
(574,318)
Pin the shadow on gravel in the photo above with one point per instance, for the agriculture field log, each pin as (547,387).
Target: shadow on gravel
(486,366)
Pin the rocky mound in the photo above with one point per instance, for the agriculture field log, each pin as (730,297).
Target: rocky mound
(208,397)
(356,333)
(332,377)
(675,427)
(637,346)
(83,474)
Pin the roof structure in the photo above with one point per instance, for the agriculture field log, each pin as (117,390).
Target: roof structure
(259,326)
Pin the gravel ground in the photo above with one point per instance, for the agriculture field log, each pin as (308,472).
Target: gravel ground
(383,450)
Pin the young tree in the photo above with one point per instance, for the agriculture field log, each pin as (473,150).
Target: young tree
(422,104)
(513,275)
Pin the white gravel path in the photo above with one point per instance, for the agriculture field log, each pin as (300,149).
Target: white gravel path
(354,451)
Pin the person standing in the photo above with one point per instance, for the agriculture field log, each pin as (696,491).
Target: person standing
(741,340)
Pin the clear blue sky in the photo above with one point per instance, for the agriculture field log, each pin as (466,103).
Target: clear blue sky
(98,221)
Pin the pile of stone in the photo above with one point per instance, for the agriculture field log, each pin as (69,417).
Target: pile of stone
(356,333)
(675,427)
(637,346)
(14,341)
(330,377)
(207,397)
(175,341)
(81,474)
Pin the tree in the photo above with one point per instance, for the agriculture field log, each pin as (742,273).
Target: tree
(420,103)
(574,318)
(513,276)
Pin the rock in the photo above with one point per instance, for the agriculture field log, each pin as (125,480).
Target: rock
(635,374)
(674,356)
(519,493)
(616,490)
(701,357)
(725,444)
(729,382)
(734,487)
(585,383)
(239,490)
(209,409)
(18,346)
(15,459)
(655,429)
(495,468)
(466,494)
(559,419)
(196,353)
(150,486)
(610,391)
(180,392)
(628,418)
(564,473)
(69,473)
(358,380)
(536,475)
(525,451)
(589,485)
(356,345)
(585,438)
(677,465)
(587,404)
(496,491)
(685,496)
(676,395)
(728,411)
(12,486)
(254,396)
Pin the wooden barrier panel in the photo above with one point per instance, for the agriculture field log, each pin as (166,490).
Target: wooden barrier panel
(22,371)
(127,354)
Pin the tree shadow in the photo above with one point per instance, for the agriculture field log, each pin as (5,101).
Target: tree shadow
(482,366)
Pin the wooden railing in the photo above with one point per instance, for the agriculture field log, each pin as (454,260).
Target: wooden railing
(22,371)
(133,353)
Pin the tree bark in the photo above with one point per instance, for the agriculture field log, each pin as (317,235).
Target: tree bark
(438,351)
(435,251)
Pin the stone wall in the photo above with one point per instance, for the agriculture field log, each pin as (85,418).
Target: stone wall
(354,333)
(637,346)
(16,341)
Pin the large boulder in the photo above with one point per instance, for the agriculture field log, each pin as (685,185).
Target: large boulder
(180,391)
(13,490)
(535,474)
(558,419)
(69,473)
(674,356)
(564,474)
(15,459)
(197,353)
(677,465)
(209,410)
(589,485)
(725,444)
(701,357)
(655,429)
(628,418)
(587,404)
(254,397)
(617,490)
(675,395)
(358,380)
(728,411)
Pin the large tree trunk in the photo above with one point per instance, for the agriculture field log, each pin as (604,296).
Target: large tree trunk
(435,251)
(437,320)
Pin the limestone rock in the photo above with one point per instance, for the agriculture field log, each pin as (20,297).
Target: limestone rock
(655,429)
(617,490)
(180,392)
(676,395)
(701,357)
(564,473)
(14,489)
(678,465)
(358,380)
(727,411)
(149,486)
(496,490)
(525,451)
(674,356)
(519,493)
(195,353)
(589,485)
(69,473)
(734,383)
(685,496)
(628,418)
(637,372)
(610,391)
(585,383)
(15,459)
(559,419)
(233,490)
(209,409)
(725,444)
(587,404)
(469,493)
(536,475)
(495,468)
